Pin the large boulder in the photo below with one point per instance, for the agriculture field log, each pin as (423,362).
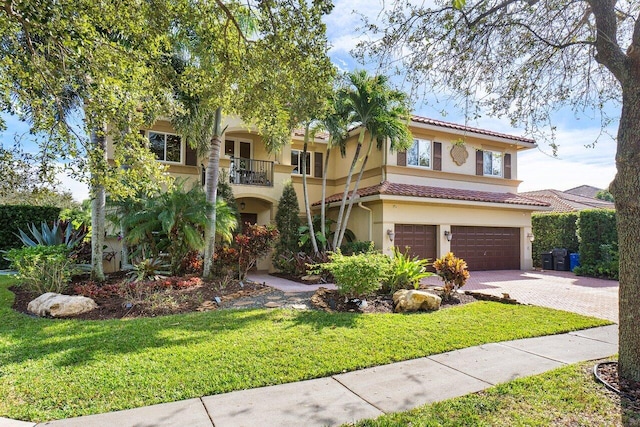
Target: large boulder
(58,305)
(413,300)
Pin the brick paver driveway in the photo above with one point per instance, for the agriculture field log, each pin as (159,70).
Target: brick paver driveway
(562,290)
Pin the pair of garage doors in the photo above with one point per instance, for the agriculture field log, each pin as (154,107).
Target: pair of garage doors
(483,248)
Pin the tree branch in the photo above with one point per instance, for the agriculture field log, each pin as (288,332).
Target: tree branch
(489,12)
(231,18)
(608,53)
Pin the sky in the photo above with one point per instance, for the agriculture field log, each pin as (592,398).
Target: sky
(574,164)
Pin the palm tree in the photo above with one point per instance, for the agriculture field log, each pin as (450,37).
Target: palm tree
(383,112)
(336,123)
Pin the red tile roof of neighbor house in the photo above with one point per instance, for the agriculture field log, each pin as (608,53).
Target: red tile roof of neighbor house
(423,191)
(440,123)
(561,201)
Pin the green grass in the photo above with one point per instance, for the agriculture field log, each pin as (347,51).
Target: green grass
(568,396)
(52,369)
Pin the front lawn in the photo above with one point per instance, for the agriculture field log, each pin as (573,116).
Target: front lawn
(51,369)
(567,396)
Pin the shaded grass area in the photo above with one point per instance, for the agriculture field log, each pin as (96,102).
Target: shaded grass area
(567,396)
(52,369)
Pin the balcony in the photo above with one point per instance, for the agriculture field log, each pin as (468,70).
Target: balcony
(251,172)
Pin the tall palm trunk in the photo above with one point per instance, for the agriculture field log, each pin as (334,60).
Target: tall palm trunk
(312,233)
(323,206)
(99,142)
(211,175)
(336,237)
(354,194)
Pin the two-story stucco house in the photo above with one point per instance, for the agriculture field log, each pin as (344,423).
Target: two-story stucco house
(455,190)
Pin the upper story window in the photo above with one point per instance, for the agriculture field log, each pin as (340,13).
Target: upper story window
(296,162)
(167,147)
(420,153)
(492,163)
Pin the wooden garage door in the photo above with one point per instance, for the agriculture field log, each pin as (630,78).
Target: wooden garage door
(487,248)
(421,239)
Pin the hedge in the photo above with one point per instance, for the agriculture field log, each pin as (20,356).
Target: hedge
(554,230)
(592,233)
(17,217)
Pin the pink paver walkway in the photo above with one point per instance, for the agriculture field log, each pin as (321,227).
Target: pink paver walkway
(561,290)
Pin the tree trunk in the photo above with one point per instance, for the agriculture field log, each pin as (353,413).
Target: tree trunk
(99,142)
(211,188)
(323,206)
(305,192)
(626,191)
(346,189)
(354,194)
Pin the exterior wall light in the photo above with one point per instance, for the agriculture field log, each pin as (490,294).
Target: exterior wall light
(531,237)
(391,234)
(242,206)
(448,235)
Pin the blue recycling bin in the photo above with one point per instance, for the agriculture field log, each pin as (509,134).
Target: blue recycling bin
(574,260)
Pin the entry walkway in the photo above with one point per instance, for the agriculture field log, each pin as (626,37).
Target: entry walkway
(369,392)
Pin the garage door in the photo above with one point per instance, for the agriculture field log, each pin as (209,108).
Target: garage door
(421,239)
(487,248)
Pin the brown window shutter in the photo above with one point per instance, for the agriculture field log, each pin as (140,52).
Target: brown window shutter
(479,162)
(402,158)
(437,156)
(191,156)
(317,165)
(507,166)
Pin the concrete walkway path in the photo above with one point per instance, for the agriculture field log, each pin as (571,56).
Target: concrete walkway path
(366,393)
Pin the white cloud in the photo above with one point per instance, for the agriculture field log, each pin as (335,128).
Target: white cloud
(79,190)
(575,165)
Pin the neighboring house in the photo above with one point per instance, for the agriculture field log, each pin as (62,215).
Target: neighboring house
(442,195)
(584,191)
(563,201)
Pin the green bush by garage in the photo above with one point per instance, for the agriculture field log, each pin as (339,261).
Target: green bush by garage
(592,233)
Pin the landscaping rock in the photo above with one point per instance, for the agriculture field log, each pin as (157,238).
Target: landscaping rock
(58,305)
(413,300)
(311,278)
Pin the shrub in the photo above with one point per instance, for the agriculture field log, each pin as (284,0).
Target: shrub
(405,272)
(42,269)
(453,271)
(359,247)
(246,249)
(60,233)
(596,227)
(13,218)
(298,263)
(357,275)
(149,269)
(553,230)
(288,221)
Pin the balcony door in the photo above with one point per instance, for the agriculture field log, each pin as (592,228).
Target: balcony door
(237,148)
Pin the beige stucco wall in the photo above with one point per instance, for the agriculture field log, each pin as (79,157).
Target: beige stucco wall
(446,215)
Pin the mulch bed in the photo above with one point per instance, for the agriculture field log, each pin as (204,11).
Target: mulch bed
(628,390)
(200,297)
(205,296)
(331,301)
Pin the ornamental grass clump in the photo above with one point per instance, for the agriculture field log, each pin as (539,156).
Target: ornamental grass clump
(454,273)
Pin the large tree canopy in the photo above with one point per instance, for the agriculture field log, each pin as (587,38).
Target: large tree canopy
(524,59)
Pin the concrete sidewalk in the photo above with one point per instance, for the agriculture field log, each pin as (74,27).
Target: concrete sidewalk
(369,392)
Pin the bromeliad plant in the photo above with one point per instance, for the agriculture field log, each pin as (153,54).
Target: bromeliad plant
(454,273)
(405,272)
